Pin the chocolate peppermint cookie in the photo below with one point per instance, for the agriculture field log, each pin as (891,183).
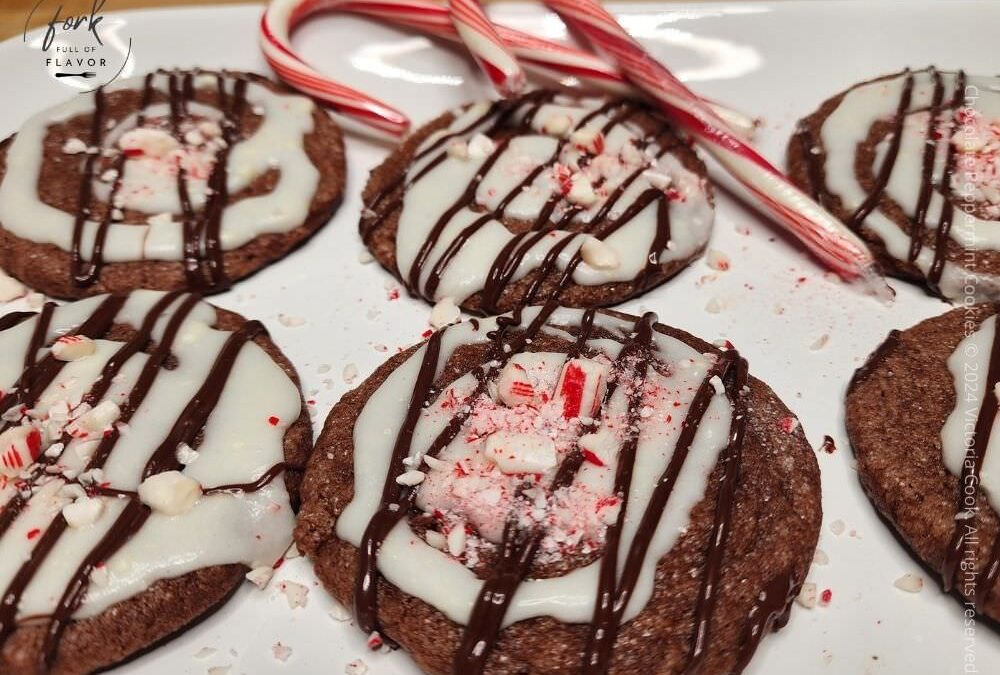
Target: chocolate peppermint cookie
(910,162)
(151,449)
(922,417)
(498,205)
(175,180)
(560,491)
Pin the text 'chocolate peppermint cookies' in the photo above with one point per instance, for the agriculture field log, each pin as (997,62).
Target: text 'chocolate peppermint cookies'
(922,418)
(563,491)
(505,204)
(910,161)
(175,180)
(151,448)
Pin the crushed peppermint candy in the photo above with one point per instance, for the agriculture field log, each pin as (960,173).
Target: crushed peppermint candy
(910,583)
(281,651)
(356,667)
(296,594)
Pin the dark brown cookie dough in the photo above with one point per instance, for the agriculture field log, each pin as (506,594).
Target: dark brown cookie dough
(47,268)
(145,621)
(385,189)
(775,525)
(897,404)
(806,159)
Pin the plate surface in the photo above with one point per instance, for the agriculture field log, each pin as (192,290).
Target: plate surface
(776,60)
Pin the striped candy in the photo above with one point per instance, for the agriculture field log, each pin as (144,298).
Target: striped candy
(829,239)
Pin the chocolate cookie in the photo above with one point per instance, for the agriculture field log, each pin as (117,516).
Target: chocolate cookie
(921,416)
(505,204)
(175,180)
(660,505)
(909,161)
(142,441)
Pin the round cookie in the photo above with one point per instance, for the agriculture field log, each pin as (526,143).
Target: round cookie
(921,417)
(909,161)
(172,180)
(546,446)
(151,451)
(505,204)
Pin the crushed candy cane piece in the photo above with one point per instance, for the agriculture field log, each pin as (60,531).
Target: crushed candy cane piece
(581,387)
(356,667)
(520,453)
(281,652)
(100,417)
(557,125)
(481,146)
(598,254)
(260,576)
(445,312)
(19,447)
(83,512)
(154,143)
(411,477)
(290,321)
(171,493)
(73,347)
(911,583)
(808,596)
(581,192)
(717,260)
(186,454)
(657,179)
(296,594)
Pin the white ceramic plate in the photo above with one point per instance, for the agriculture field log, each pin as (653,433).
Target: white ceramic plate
(774,59)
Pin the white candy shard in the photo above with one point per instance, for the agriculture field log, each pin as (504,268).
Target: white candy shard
(458,149)
(73,347)
(521,453)
(356,667)
(170,493)
(445,312)
(589,139)
(209,128)
(74,146)
(717,260)
(581,192)
(911,583)
(153,143)
(19,447)
(411,477)
(807,597)
(436,539)
(657,179)
(557,125)
(296,594)
(186,454)
(100,417)
(10,288)
(260,576)
(598,254)
(600,447)
(83,512)
(456,539)
(581,387)
(481,146)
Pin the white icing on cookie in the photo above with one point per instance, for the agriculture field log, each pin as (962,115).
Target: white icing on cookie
(243,439)
(441,578)
(150,187)
(969,365)
(977,133)
(588,169)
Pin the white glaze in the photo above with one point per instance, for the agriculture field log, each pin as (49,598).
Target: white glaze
(239,445)
(419,569)
(278,143)
(427,200)
(969,364)
(848,125)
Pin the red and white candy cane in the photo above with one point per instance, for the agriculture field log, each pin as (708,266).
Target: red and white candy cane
(823,234)
(19,447)
(486,46)
(553,58)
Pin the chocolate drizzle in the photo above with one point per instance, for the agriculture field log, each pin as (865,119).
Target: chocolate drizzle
(960,546)
(496,123)
(938,131)
(519,544)
(203,255)
(38,374)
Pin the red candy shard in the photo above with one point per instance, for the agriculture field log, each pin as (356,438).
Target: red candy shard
(572,390)
(33,533)
(591,457)
(273,421)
